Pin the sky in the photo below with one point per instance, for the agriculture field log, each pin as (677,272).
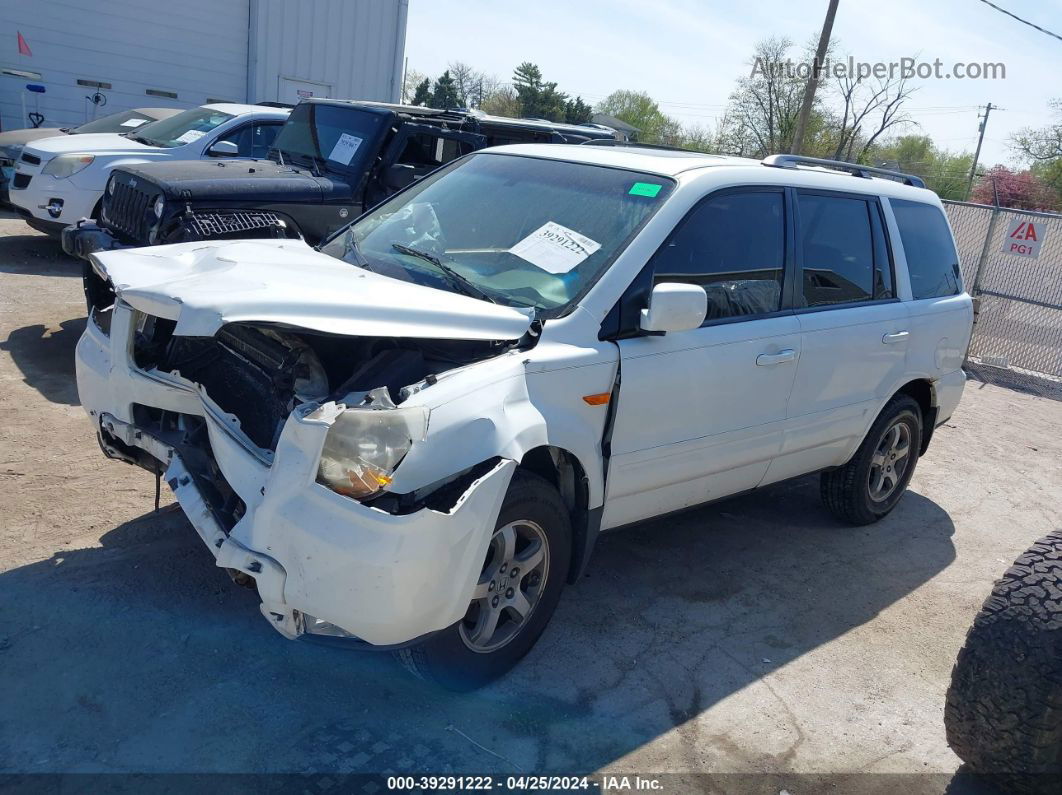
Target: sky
(687,54)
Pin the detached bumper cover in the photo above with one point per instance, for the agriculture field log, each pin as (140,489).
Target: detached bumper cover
(386,579)
(86,238)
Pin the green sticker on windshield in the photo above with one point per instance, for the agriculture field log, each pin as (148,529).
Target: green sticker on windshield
(644,189)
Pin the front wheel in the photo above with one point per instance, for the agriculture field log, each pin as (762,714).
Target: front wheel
(869,486)
(523,574)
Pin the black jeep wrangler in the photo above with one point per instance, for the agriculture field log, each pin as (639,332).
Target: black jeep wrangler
(331,160)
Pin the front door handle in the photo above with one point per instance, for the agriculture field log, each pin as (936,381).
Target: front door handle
(892,339)
(767,359)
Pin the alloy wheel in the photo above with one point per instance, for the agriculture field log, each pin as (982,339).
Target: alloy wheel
(510,586)
(891,458)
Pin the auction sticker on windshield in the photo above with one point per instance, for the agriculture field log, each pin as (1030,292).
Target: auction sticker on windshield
(134,122)
(555,248)
(345,148)
(190,136)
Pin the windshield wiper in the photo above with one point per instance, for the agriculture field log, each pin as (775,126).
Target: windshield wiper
(466,286)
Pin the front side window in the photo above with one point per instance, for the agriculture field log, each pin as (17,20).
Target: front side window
(182,129)
(519,231)
(932,260)
(427,152)
(253,140)
(836,239)
(733,245)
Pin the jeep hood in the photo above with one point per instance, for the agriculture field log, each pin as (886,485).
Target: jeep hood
(204,286)
(256,181)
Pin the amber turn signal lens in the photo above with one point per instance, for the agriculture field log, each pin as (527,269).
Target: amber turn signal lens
(599,399)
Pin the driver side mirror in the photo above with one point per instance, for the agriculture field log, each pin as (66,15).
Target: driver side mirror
(674,306)
(223,149)
(398,176)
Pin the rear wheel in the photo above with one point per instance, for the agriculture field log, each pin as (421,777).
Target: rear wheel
(523,574)
(873,481)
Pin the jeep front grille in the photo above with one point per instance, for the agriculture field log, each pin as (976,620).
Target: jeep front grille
(229,222)
(125,211)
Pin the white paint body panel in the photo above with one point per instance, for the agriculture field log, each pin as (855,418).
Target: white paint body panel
(81,191)
(696,417)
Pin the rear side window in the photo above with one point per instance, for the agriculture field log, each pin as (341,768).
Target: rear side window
(836,239)
(932,259)
(733,245)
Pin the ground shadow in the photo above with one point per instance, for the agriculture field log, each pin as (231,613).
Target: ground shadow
(47,359)
(37,254)
(141,655)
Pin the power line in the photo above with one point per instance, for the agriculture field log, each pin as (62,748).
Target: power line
(1023,21)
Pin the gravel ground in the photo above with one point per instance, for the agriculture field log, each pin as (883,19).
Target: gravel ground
(757,635)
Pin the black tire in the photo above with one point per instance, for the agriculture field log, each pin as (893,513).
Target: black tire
(1003,712)
(846,491)
(446,658)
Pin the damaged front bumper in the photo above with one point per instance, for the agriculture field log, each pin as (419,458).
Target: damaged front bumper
(86,238)
(323,563)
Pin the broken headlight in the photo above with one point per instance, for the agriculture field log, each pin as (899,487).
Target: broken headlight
(365,445)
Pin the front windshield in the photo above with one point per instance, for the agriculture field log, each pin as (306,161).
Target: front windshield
(125,121)
(519,231)
(184,128)
(328,135)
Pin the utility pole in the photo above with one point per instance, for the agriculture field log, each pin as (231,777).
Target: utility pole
(977,153)
(813,80)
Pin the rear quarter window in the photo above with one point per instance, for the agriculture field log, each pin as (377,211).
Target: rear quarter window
(932,261)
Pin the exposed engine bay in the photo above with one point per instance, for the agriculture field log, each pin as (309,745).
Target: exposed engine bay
(260,374)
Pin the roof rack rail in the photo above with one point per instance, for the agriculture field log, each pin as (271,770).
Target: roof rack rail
(636,145)
(855,169)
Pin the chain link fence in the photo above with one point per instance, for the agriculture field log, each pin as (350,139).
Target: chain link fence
(1017,338)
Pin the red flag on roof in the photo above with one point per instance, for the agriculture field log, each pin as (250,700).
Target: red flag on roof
(23,48)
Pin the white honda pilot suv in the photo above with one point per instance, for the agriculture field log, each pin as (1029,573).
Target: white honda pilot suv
(412,436)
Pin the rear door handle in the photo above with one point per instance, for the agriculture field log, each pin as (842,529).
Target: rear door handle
(892,339)
(767,359)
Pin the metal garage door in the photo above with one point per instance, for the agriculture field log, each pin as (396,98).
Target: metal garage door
(146,55)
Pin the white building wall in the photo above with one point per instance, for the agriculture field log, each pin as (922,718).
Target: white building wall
(196,49)
(346,49)
(200,50)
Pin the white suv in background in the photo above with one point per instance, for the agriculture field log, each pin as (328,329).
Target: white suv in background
(58,181)
(412,436)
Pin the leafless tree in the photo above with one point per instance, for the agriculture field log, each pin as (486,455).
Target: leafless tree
(869,109)
(763,108)
(410,81)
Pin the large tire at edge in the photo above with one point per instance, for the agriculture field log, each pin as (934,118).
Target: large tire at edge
(1003,712)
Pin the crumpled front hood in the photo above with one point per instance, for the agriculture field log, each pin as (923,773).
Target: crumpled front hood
(203,286)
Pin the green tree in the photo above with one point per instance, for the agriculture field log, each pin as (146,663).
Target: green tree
(577,112)
(422,93)
(444,94)
(1041,148)
(538,98)
(502,101)
(639,110)
(944,172)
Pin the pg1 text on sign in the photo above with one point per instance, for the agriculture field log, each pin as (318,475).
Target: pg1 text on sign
(1024,238)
